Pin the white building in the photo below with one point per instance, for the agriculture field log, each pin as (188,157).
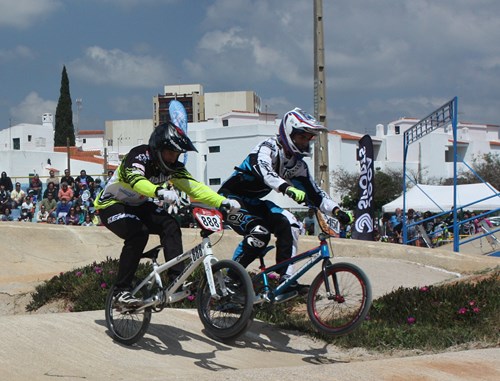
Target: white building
(28,149)
(29,137)
(224,141)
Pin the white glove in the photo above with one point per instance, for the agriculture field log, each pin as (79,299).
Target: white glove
(169,196)
(231,204)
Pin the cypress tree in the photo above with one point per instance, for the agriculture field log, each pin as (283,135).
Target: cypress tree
(64,115)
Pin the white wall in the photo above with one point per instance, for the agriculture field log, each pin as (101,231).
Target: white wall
(32,137)
(20,164)
(126,134)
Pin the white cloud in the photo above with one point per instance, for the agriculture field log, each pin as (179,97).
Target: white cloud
(119,68)
(19,52)
(25,13)
(31,109)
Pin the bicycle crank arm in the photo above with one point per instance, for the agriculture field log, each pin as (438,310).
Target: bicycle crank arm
(178,296)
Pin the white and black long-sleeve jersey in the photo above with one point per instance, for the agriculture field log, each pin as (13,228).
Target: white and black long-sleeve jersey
(267,168)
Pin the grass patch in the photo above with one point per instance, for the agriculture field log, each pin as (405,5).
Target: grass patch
(426,318)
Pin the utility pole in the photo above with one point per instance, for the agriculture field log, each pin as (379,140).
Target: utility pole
(78,108)
(321,167)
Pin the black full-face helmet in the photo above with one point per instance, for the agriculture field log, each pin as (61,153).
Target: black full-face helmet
(170,137)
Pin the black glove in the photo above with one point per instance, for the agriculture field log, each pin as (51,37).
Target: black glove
(342,216)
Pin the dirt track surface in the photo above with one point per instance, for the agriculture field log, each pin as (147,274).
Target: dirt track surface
(76,346)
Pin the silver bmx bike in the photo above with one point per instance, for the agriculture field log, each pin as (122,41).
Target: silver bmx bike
(224,295)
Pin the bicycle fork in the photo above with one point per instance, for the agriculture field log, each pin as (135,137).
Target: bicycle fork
(336,295)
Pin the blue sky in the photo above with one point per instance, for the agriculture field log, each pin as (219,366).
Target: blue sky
(385,59)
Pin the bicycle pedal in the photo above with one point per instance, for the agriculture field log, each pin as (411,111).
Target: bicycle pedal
(284,297)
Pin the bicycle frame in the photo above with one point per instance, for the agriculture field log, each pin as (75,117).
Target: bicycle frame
(200,253)
(315,255)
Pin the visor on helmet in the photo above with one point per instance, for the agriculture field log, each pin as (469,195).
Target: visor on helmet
(170,137)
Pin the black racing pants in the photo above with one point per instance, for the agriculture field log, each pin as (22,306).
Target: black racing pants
(134,224)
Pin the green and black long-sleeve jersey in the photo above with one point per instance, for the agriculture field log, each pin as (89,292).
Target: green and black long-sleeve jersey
(138,179)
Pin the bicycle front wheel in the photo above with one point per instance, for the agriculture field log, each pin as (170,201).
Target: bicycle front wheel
(127,326)
(342,306)
(226,316)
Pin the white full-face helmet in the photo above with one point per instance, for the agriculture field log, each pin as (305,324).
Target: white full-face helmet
(296,122)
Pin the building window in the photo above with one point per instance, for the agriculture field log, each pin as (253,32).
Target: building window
(29,138)
(214,149)
(397,130)
(84,141)
(225,122)
(16,144)
(214,181)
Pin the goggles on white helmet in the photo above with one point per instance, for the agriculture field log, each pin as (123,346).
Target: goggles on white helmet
(296,122)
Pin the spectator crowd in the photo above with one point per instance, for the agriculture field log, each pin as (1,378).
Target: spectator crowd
(435,228)
(65,200)
(69,200)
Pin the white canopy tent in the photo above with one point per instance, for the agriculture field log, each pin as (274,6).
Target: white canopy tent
(438,198)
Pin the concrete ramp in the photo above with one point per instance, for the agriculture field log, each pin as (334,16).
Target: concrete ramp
(76,346)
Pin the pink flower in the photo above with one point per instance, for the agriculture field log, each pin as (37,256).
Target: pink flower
(424,289)
(191,298)
(462,311)
(475,310)
(104,285)
(78,274)
(272,276)
(472,303)
(411,320)
(98,270)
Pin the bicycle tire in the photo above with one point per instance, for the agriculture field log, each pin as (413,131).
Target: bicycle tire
(223,317)
(126,327)
(341,313)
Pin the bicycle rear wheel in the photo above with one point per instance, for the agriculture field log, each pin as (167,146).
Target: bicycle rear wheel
(127,326)
(347,305)
(226,317)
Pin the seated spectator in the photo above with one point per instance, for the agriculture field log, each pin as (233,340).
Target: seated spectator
(68,179)
(85,198)
(396,225)
(6,216)
(35,188)
(80,213)
(6,182)
(83,179)
(17,196)
(51,188)
(94,216)
(42,215)
(52,179)
(96,188)
(66,193)
(27,210)
(49,204)
(88,220)
(72,218)
(62,211)
(5,200)
(110,175)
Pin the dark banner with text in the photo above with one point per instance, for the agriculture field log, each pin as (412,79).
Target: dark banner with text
(363,215)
